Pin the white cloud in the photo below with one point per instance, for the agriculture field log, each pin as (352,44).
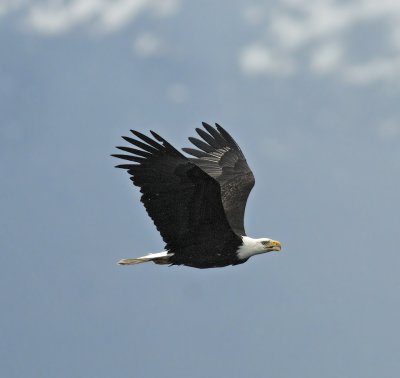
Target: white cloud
(327,58)
(165,8)
(114,15)
(313,35)
(373,71)
(315,20)
(147,45)
(257,59)
(7,6)
(57,17)
(52,17)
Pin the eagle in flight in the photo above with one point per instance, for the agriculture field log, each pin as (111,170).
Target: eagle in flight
(198,203)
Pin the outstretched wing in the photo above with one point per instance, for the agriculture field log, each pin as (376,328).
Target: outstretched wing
(220,156)
(183,201)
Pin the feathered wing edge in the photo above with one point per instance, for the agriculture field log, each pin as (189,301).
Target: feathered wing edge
(216,149)
(221,157)
(147,150)
(152,167)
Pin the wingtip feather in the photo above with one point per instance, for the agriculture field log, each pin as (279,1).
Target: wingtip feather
(125,166)
(155,135)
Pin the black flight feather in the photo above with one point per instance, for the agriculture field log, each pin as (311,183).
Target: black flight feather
(200,144)
(222,158)
(207,137)
(134,151)
(140,144)
(216,135)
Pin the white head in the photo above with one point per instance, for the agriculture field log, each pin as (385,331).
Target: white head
(253,247)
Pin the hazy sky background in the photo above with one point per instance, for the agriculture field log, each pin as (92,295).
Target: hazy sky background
(309,88)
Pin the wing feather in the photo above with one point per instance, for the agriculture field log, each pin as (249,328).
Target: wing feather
(146,139)
(195,152)
(221,157)
(217,136)
(140,144)
(129,157)
(200,144)
(207,138)
(135,151)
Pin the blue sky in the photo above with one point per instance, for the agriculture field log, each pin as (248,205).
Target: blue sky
(310,90)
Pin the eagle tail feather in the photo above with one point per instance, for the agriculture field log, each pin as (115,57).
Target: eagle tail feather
(158,258)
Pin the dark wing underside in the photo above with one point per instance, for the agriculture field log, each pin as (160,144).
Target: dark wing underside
(183,201)
(220,156)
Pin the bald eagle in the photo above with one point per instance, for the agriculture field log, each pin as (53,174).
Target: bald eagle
(197,203)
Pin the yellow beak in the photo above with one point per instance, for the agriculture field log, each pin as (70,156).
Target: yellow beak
(274,245)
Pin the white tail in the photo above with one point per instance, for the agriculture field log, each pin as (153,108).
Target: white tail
(158,258)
